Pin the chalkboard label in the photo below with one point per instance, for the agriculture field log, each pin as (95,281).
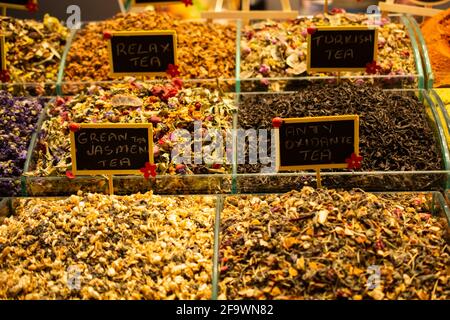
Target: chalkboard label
(2,54)
(142,53)
(342,48)
(15,4)
(138,3)
(317,142)
(111,148)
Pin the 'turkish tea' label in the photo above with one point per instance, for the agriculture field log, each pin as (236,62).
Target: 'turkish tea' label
(111,148)
(341,48)
(317,142)
(142,53)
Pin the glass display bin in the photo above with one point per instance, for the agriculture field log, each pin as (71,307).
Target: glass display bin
(22,117)
(388,173)
(377,174)
(206,116)
(405,70)
(246,246)
(441,97)
(284,246)
(272,55)
(427,70)
(205,50)
(34,53)
(169,255)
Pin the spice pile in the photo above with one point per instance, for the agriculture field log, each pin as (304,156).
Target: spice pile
(168,107)
(92,246)
(205,50)
(395,134)
(34,50)
(18,121)
(327,244)
(436,32)
(279,49)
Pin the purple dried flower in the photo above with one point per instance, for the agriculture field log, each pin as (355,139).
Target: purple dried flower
(18,119)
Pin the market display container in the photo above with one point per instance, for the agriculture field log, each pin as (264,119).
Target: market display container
(426,63)
(238,181)
(244,231)
(14,186)
(376,180)
(70,87)
(53,185)
(8,208)
(443,111)
(261,83)
(18,86)
(435,203)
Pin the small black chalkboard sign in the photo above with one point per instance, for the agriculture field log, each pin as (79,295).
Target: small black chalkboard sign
(2,54)
(137,3)
(142,53)
(341,48)
(14,4)
(111,148)
(317,142)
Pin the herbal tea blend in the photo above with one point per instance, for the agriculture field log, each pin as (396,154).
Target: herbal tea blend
(34,51)
(328,244)
(169,108)
(272,49)
(18,122)
(395,133)
(90,246)
(205,50)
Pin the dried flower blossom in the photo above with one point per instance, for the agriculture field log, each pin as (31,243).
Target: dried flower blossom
(18,121)
(282,47)
(165,106)
(34,51)
(324,244)
(205,50)
(134,247)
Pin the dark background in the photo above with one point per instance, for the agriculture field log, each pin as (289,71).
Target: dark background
(91,10)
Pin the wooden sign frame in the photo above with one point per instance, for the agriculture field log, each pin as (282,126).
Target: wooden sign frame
(427,11)
(173,33)
(308,55)
(134,4)
(246,14)
(355,118)
(75,171)
(14,6)
(429,4)
(3,52)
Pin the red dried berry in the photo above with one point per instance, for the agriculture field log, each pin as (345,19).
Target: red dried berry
(277,122)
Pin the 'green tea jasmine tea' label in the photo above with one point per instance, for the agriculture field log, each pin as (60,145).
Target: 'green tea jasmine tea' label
(111,148)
